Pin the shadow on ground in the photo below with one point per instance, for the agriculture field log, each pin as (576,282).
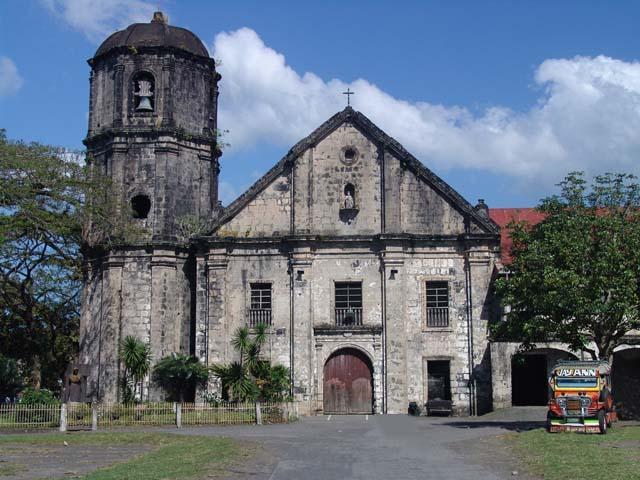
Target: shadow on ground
(516,419)
(516,426)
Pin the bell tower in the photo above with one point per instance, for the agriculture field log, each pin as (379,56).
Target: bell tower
(152,132)
(153,123)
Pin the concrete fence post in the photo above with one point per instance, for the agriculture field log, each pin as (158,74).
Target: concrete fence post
(178,415)
(94,417)
(63,417)
(258,414)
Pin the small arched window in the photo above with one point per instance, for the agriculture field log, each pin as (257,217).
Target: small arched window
(144,89)
(140,206)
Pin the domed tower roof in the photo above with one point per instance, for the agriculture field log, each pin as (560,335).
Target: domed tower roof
(157,33)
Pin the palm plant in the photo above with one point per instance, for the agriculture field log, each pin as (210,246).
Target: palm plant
(250,377)
(236,382)
(136,356)
(178,374)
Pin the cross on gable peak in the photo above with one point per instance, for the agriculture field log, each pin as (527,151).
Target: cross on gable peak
(348,93)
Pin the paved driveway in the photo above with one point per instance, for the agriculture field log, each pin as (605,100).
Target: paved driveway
(368,447)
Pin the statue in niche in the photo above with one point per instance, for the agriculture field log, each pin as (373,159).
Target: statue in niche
(348,210)
(75,383)
(348,200)
(75,386)
(145,92)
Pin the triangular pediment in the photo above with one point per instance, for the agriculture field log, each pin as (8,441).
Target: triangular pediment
(279,175)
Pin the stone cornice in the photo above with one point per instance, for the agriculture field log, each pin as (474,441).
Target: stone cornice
(334,330)
(207,62)
(150,132)
(382,239)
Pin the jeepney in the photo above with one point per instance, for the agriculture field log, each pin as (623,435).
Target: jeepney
(580,397)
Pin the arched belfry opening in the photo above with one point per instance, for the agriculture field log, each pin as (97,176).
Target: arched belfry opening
(143,92)
(348,383)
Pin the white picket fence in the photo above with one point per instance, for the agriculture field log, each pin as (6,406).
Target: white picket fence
(85,416)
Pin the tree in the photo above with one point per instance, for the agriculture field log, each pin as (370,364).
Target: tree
(179,374)
(11,380)
(136,356)
(52,208)
(251,377)
(575,277)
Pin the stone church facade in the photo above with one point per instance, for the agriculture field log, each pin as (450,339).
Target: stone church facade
(357,256)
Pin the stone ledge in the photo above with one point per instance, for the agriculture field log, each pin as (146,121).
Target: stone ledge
(328,329)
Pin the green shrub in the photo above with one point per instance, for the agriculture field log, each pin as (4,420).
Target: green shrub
(179,375)
(31,396)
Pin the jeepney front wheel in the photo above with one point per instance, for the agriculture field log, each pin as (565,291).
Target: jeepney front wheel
(602,422)
(548,424)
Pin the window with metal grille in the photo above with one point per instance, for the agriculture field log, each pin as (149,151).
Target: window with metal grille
(437,304)
(348,304)
(260,309)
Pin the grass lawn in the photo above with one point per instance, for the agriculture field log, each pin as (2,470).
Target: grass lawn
(170,456)
(613,456)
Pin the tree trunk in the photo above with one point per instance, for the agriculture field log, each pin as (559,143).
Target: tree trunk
(36,372)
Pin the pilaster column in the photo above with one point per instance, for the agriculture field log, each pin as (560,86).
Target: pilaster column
(301,330)
(167,84)
(217,325)
(394,331)
(109,325)
(118,95)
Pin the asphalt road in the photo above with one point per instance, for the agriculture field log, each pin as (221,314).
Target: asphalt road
(386,447)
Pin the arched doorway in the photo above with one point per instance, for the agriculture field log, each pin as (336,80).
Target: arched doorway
(529,375)
(348,383)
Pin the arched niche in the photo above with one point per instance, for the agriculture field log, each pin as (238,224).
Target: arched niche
(143,92)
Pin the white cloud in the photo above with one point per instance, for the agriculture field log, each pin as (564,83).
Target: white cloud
(587,116)
(96,19)
(10,79)
(226,192)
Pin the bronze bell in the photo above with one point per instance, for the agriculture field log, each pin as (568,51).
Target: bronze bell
(145,104)
(145,92)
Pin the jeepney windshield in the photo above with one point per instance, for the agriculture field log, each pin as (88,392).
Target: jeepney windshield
(576,382)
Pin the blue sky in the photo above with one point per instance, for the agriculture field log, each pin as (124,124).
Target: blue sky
(501,99)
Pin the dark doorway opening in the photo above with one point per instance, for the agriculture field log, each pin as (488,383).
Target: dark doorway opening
(348,383)
(625,382)
(529,380)
(438,380)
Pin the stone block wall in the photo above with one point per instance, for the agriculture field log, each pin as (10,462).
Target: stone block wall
(145,293)
(393,315)
(268,214)
(424,211)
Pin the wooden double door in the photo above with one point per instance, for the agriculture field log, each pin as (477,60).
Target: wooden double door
(348,383)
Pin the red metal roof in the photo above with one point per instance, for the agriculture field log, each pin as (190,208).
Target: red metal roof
(503,217)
